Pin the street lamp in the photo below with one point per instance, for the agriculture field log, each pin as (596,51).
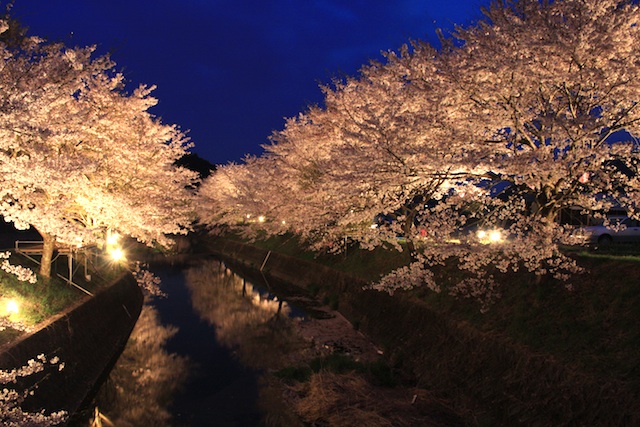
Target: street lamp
(112,248)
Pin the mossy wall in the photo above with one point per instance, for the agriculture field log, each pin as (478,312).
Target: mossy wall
(513,385)
(88,338)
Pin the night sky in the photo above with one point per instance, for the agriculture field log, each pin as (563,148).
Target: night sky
(230,71)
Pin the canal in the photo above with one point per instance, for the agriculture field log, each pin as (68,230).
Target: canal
(220,350)
(198,354)
(218,387)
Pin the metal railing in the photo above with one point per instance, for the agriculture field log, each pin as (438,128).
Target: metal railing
(30,248)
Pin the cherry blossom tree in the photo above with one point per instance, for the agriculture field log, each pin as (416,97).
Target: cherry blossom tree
(513,120)
(238,193)
(540,89)
(399,151)
(380,146)
(11,413)
(546,85)
(79,154)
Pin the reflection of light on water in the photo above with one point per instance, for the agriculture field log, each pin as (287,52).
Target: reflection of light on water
(145,376)
(247,318)
(259,297)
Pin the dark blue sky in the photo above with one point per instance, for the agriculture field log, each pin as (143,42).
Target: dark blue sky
(231,71)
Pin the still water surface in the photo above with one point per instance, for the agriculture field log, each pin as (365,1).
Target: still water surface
(235,336)
(196,356)
(219,389)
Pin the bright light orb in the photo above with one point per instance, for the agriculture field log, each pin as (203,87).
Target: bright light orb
(117,254)
(261,218)
(112,239)
(489,236)
(13,307)
(495,236)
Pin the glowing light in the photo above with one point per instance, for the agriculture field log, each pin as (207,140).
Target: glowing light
(261,218)
(12,306)
(112,238)
(489,236)
(117,254)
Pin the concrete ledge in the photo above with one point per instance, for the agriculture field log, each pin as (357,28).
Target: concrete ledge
(88,338)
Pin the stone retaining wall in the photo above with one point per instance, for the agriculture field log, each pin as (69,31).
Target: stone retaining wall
(88,338)
(513,385)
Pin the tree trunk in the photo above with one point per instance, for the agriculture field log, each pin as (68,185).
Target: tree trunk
(544,206)
(406,228)
(47,255)
(411,246)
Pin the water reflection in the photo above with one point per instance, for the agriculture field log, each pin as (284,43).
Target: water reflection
(220,390)
(237,337)
(255,324)
(143,381)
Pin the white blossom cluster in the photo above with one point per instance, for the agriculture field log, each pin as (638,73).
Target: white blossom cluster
(23,274)
(5,323)
(503,128)
(148,282)
(11,414)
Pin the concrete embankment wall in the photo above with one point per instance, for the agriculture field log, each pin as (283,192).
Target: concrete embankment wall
(509,383)
(88,338)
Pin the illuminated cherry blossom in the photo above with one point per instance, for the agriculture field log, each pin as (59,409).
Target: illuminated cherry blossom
(11,414)
(528,112)
(78,154)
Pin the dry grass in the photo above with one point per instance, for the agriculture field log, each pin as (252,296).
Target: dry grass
(348,400)
(543,354)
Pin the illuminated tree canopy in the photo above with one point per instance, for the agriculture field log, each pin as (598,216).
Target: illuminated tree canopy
(79,155)
(528,112)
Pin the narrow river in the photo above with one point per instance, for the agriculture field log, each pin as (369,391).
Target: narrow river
(197,355)
(219,389)
(219,351)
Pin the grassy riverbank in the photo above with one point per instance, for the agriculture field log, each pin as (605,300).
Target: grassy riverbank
(26,304)
(591,329)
